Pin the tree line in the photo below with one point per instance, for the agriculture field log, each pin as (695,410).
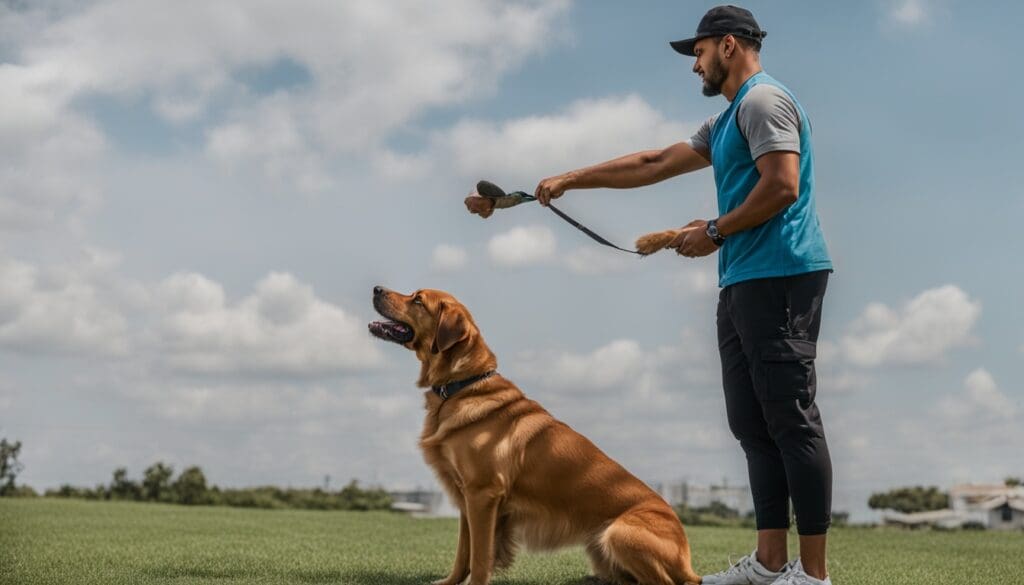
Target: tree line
(918,498)
(159,484)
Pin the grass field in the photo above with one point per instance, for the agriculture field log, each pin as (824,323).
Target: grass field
(45,541)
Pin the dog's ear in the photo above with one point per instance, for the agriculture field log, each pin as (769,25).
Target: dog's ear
(452,327)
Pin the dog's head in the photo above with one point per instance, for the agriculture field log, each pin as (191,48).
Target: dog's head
(438,328)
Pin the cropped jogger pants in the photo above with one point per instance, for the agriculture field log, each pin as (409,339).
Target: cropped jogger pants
(767,336)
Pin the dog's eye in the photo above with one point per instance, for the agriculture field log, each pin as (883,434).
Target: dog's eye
(417,301)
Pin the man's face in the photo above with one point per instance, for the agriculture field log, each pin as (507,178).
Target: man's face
(709,65)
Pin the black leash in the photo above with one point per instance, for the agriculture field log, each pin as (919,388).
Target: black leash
(504,200)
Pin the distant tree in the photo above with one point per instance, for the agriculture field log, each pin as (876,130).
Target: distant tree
(1013,482)
(122,488)
(352,497)
(10,467)
(190,487)
(719,509)
(840,518)
(156,485)
(910,499)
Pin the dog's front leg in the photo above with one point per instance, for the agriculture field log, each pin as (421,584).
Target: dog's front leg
(461,568)
(482,509)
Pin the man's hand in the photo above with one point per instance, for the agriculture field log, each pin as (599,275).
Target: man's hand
(694,243)
(481,206)
(551,188)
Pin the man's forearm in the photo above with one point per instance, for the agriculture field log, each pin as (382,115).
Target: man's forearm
(633,170)
(766,199)
(639,169)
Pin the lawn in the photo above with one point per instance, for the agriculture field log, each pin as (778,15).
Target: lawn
(45,541)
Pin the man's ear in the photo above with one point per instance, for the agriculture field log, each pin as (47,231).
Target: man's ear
(452,327)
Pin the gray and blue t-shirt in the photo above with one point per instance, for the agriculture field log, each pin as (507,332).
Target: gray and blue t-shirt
(763,117)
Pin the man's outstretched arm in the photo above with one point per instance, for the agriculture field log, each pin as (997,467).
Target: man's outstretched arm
(633,170)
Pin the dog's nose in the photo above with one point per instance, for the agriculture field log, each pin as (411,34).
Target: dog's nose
(378,290)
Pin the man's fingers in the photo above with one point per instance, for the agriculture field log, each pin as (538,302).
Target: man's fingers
(681,237)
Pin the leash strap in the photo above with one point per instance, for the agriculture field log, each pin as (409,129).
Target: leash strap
(504,201)
(588,231)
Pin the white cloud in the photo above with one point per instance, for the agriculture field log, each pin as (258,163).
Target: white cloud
(623,365)
(595,260)
(281,328)
(372,67)
(696,281)
(448,258)
(982,399)
(927,327)
(64,309)
(522,246)
(49,152)
(274,138)
(586,131)
(605,367)
(909,12)
(251,403)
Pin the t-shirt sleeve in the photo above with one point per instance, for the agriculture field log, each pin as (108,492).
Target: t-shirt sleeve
(769,120)
(702,139)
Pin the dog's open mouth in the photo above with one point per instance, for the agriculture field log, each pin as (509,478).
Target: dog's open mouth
(392,331)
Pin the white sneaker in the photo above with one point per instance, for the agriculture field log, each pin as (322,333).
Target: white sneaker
(746,571)
(796,576)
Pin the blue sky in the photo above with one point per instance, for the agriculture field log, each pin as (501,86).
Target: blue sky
(196,202)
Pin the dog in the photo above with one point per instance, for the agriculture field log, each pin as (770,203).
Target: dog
(518,475)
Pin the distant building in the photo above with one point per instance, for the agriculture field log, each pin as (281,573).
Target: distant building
(995,507)
(421,502)
(698,496)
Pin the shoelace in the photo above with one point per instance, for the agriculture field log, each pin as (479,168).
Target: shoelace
(791,575)
(737,567)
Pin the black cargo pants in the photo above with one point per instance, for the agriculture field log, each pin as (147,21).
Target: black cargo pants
(767,334)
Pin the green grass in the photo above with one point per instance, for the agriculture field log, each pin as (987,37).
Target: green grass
(44,541)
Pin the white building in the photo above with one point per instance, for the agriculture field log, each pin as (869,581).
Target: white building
(993,506)
(421,502)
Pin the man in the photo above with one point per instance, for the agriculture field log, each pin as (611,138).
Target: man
(773,269)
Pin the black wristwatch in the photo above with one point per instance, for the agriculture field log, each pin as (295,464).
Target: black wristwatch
(712,232)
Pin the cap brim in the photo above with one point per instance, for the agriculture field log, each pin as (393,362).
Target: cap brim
(685,46)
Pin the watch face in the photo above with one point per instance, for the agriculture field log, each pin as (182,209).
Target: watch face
(712,230)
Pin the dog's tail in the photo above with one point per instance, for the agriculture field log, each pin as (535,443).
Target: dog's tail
(650,545)
(685,574)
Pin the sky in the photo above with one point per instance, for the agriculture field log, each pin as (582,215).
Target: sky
(196,200)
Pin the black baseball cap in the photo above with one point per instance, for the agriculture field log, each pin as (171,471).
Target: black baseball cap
(721,21)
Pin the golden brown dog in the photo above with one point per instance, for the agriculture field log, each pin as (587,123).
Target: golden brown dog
(518,475)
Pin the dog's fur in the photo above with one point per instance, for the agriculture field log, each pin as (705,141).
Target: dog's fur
(518,475)
(650,243)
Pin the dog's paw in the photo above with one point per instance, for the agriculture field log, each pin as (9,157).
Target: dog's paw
(652,242)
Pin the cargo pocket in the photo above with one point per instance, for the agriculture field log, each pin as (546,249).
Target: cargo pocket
(787,370)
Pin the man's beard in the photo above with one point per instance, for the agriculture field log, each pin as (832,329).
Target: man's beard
(714,77)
